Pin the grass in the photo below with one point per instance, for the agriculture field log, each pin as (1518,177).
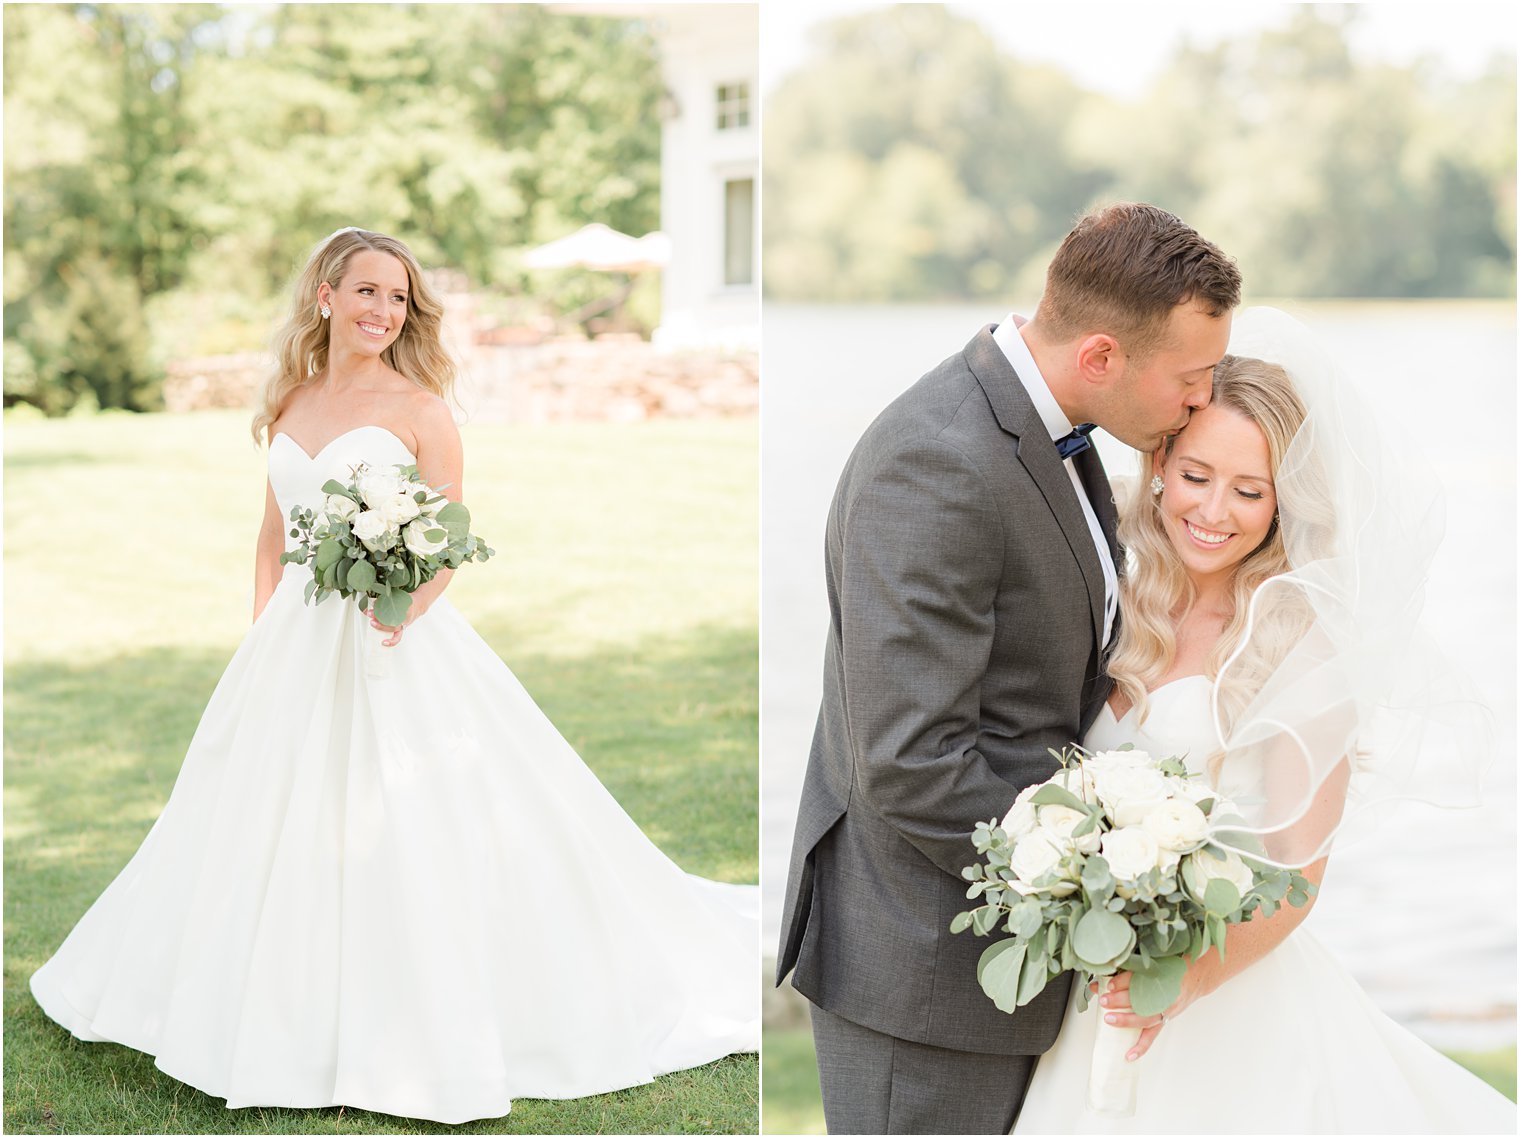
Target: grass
(624,596)
(793,1105)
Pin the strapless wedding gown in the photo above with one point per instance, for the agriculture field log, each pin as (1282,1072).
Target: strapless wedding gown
(1292,1045)
(384,880)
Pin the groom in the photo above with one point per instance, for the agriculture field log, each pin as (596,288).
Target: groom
(972,585)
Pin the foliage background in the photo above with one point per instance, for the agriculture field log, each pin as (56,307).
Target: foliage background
(914,159)
(169,166)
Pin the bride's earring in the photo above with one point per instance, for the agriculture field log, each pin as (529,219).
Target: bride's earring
(326,312)
(1156,484)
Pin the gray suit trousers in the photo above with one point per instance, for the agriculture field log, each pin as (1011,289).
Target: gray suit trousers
(878,1084)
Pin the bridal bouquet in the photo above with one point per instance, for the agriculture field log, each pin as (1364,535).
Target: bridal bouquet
(1110,865)
(380,536)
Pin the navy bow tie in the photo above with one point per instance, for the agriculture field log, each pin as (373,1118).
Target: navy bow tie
(1069,446)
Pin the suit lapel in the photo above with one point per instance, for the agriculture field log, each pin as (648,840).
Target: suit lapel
(1017,417)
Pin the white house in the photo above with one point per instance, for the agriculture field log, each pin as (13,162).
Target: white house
(709,169)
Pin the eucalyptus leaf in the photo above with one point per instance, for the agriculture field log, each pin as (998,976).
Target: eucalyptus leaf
(361,577)
(455,517)
(328,553)
(1096,876)
(961,923)
(998,973)
(1052,795)
(1221,897)
(1024,918)
(1156,986)
(390,609)
(1033,977)
(1101,938)
(1216,932)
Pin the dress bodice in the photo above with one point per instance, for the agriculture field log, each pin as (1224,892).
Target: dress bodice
(297,478)
(1179,722)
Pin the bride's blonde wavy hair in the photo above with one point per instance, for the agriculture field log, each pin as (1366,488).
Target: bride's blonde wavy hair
(300,346)
(1156,591)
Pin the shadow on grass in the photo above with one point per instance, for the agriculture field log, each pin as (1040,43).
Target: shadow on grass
(24,460)
(91,754)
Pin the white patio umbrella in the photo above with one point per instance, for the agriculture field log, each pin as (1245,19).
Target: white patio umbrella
(597,246)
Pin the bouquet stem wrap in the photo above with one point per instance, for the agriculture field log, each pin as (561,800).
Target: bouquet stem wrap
(377,659)
(1111,1086)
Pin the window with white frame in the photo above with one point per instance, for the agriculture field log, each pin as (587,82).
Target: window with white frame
(739,231)
(733,106)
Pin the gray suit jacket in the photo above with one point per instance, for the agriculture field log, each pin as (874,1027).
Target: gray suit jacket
(966,638)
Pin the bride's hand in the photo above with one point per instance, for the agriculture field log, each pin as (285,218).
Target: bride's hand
(412,614)
(1114,1003)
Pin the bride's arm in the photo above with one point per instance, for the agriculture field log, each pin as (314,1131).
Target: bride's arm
(1244,943)
(266,559)
(440,462)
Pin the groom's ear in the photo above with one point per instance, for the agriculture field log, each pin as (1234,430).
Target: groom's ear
(1099,359)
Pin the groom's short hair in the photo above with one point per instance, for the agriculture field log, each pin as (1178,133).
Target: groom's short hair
(1124,268)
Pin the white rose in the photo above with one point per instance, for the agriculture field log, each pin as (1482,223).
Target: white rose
(340,508)
(417,539)
(1057,822)
(399,510)
(1130,793)
(1076,779)
(1198,869)
(1196,790)
(370,528)
(377,487)
(1103,761)
(1035,855)
(1019,820)
(1177,824)
(1131,852)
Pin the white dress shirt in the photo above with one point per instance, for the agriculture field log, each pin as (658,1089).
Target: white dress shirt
(1011,341)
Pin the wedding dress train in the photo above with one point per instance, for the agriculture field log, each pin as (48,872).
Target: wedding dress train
(383,879)
(1292,1045)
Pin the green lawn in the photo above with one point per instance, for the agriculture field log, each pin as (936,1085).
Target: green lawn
(793,1104)
(624,596)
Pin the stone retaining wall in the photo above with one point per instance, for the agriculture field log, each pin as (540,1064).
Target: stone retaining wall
(553,381)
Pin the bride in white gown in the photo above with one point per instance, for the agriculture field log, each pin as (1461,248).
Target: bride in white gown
(1276,695)
(383,879)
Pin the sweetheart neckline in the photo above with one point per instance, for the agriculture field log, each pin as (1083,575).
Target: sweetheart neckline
(337,438)
(1152,694)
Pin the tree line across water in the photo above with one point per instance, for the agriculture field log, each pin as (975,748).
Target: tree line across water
(913,159)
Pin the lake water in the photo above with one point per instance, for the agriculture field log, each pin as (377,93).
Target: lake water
(1423,913)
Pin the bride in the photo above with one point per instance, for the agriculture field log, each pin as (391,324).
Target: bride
(1277,554)
(383,879)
